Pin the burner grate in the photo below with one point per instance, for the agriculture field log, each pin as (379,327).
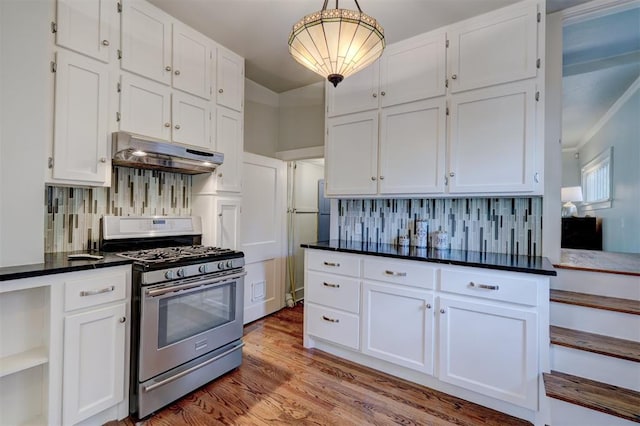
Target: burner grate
(168,254)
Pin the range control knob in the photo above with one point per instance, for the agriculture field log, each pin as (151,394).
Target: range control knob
(168,275)
(229,264)
(180,272)
(203,269)
(221,265)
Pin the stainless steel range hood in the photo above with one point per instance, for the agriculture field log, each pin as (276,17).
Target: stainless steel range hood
(142,152)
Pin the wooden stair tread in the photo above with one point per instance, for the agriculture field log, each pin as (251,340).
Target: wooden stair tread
(603,397)
(596,343)
(594,301)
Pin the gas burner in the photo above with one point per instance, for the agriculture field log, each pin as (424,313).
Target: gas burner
(168,254)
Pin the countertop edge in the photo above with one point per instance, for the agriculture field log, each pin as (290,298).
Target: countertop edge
(520,269)
(41,269)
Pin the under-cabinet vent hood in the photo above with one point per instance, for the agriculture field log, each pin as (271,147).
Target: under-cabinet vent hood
(142,152)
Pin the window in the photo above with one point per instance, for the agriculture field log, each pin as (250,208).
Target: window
(596,181)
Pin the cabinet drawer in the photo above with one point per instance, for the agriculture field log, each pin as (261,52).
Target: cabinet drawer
(400,272)
(85,289)
(335,263)
(496,286)
(332,325)
(334,291)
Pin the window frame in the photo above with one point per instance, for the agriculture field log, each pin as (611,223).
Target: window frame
(598,162)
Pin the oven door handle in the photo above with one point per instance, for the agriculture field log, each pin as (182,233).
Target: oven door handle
(194,284)
(191,370)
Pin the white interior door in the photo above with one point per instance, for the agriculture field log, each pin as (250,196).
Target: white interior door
(263,234)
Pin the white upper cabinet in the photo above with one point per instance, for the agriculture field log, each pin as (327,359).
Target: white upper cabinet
(358,92)
(497,47)
(229,79)
(80,122)
(191,120)
(412,148)
(413,69)
(229,141)
(491,145)
(145,107)
(192,56)
(85,26)
(146,41)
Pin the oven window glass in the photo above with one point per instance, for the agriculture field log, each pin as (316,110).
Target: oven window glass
(187,315)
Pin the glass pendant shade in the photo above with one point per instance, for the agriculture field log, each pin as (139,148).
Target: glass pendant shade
(336,43)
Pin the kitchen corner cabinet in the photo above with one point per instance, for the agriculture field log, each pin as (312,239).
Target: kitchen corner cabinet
(229,130)
(87,27)
(229,79)
(80,141)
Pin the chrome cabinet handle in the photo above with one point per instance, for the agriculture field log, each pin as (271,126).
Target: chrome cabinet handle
(220,91)
(383,93)
(219,175)
(177,126)
(396,274)
(94,292)
(442,311)
(454,76)
(375,95)
(105,42)
(381,178)
(167,68)
(177,72)
(484,286)
(428,306)
(373,178)
(326,318)
(326,284)
(103,159)
(452,174)
(167,124)
(122,319)
(331,264)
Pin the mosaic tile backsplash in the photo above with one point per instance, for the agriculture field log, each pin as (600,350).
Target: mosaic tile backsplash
(491,225)
(72,215)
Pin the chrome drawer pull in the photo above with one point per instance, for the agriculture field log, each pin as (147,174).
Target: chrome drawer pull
(326,284)
(396,274)
(484,286)
(326,318)
(337,265)
(94,292)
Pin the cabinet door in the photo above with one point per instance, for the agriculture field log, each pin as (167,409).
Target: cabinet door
(191,120)
(412,148)
(492,139)
(191,61)
(229,79)
(229,134)
(145,107)
(495,48)
(146,41)
(85,26)
(228,223)
(490,348)
(81,105)
(352,154)
(398,325)
(94,355)
(358,92)
(413,69)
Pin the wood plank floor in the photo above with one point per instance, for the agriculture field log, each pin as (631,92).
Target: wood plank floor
(281,383)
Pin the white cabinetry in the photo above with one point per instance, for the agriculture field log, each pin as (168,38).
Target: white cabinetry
(80,120)
(192,56)
(229,79)
(86,26)
(228,222)
(191,119)
(229,140)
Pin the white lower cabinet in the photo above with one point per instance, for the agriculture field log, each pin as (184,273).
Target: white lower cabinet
(397,325)
(490,348)
(94,355)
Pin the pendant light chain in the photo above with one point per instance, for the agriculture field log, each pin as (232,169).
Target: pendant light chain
(324,6)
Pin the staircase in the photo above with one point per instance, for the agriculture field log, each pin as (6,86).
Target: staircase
(595,349)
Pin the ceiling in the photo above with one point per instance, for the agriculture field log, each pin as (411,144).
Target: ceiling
(601,59)
(258,30)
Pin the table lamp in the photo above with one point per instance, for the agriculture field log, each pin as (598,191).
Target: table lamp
(569,194)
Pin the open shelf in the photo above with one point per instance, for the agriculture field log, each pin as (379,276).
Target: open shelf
(23,360)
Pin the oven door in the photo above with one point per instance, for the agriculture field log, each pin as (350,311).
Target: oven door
(183,320)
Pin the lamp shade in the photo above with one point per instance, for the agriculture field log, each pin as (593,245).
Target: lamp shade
(571,193)
(336,43)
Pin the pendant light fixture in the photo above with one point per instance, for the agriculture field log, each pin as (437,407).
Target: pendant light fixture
(336,43)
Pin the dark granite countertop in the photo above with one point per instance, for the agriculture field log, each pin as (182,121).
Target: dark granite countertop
(57,263)
(600,261)
(504,262)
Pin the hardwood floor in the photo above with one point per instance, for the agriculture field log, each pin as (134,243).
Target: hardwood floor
(281,383)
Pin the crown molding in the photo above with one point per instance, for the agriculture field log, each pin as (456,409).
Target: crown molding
(595,9)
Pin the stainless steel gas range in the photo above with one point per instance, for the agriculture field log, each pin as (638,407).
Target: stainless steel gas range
(187,307)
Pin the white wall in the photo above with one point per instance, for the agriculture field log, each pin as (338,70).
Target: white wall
(621,222)
(25,105)
(301,118)
(261,110)
(570,168)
